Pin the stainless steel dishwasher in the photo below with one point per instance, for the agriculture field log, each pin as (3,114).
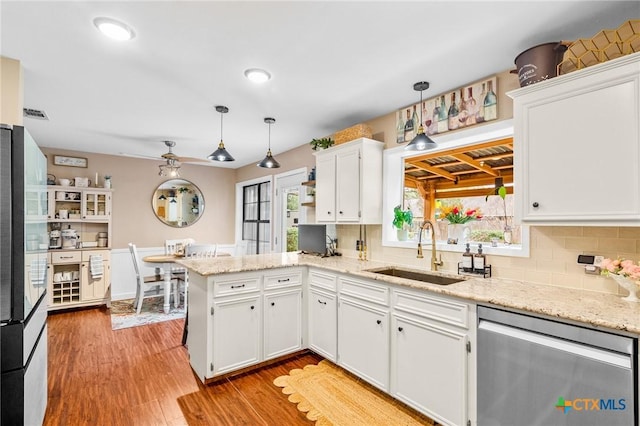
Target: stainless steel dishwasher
(533,371)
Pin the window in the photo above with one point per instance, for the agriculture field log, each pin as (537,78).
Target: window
(256,217)
(464,169)
(497,217)
(464,180)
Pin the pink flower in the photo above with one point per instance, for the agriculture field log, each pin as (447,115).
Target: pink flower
(626,263)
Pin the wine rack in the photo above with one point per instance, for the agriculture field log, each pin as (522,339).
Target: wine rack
(65,292)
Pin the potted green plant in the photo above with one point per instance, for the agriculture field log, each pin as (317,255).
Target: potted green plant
(323,143)
(402,219)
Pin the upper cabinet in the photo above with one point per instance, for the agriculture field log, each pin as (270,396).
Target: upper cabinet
(577,147)
(349,183)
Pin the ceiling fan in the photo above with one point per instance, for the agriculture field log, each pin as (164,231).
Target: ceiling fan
(170,156)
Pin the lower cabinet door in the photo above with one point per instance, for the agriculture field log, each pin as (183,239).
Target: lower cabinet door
(363,341)
(236,333)
(282,323)
(94,288)
(429,369)
(323,317)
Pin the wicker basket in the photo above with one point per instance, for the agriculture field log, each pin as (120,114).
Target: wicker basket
(352,133)
(605,45)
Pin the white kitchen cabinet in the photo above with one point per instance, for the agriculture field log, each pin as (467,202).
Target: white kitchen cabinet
(71,283)
(326,189)
(349,183)
(577,146)
(282,322)
(238,320)
(431,368)
(363,341)
(322,313)
(95,289)
(236,331)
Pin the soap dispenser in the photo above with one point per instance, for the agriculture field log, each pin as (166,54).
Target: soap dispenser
(467,260)
(479,260)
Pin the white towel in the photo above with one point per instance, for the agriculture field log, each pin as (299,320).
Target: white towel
(37,272)
(95,266)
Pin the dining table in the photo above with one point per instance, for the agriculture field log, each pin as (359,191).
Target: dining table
(166,261)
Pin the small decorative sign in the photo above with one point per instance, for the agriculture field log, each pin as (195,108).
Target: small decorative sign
(64,160)
(463,107)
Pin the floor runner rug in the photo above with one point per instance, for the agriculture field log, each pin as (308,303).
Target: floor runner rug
(123,315)
(331,396)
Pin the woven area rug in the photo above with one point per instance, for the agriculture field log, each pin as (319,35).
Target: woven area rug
(331,396)
(124,316)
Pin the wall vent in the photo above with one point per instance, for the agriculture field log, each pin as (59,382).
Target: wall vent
(34,113)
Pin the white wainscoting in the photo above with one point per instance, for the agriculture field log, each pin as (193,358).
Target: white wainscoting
(123,276)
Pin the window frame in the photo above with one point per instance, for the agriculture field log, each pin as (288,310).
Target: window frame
(240,207)
(393,186)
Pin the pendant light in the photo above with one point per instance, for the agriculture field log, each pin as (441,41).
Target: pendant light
(269,162)
(170,169)
(221,153)
(421,142)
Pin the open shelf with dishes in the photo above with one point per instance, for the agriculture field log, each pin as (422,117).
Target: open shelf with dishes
(310,194)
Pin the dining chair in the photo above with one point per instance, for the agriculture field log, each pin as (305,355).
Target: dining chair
(146,286)
(176,246)
(202,250)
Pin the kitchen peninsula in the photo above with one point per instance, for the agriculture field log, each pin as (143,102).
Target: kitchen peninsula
(244,311)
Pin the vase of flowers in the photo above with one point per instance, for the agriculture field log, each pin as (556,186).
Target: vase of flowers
(457,218)
(402,219)
(626,273)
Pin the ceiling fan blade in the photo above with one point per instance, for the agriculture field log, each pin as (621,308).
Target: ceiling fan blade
(193,160)
(149,157)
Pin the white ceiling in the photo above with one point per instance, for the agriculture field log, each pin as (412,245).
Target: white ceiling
(334,64)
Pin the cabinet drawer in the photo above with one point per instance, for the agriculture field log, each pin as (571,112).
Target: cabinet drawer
(237,285)
(86,254)
(321,280)
(437,308)
(66,257)
(370,292)
(283,278)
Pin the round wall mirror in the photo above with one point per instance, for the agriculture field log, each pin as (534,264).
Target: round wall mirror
(178,203)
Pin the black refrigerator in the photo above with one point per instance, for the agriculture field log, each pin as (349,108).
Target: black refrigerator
(23,278)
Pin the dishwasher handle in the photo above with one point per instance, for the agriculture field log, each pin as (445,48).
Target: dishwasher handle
(601,355)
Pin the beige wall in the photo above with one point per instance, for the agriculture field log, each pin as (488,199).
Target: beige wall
(134,181)
(554,250)
(296,158)
(11,99)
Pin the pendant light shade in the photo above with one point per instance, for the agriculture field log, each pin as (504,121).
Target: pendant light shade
(421,142)
(170,169)
(221,153)
(269,162)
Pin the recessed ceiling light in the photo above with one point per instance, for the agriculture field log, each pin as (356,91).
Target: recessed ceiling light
(114,29)
(257,75)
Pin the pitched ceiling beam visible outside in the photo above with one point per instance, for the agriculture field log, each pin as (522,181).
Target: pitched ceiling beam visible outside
(436,171)
(508,142)
(480,165)
(478,181)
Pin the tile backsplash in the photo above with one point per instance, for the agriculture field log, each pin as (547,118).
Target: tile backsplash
(553,261)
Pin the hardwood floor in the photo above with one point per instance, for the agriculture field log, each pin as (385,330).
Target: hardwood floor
(141,376)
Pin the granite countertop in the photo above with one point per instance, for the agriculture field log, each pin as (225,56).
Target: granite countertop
(596,309)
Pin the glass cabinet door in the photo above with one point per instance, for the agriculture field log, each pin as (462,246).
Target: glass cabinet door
(96,205)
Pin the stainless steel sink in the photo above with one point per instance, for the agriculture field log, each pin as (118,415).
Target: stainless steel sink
(416,276)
